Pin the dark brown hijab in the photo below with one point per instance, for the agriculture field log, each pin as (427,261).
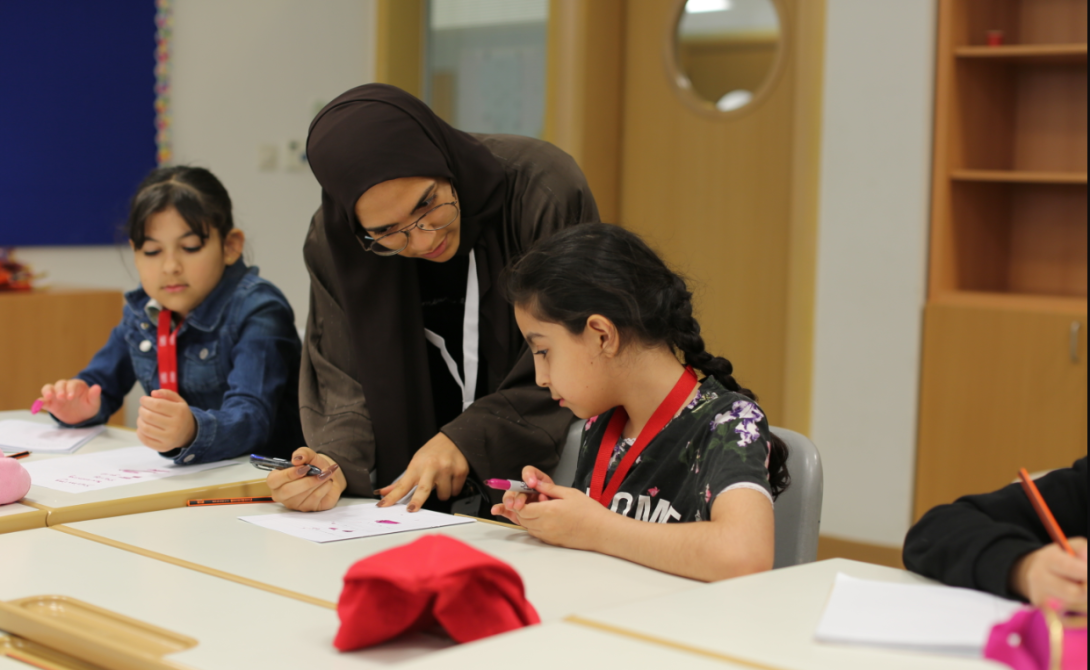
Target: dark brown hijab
(368,135)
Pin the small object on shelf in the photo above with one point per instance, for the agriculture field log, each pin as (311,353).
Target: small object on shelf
(995,38)
(14,276)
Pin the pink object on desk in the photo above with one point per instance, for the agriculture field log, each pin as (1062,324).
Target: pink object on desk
(14,480)
(37,406)
(1023,643)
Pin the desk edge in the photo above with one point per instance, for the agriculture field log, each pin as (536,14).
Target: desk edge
(197,567)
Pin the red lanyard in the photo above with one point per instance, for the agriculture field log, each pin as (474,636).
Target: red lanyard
(168,352)
(657,422)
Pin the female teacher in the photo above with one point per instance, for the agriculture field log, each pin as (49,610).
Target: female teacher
(413,365)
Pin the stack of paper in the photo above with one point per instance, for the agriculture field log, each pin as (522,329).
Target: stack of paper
(106,469)
(44,438)
(346,523)
(918,617)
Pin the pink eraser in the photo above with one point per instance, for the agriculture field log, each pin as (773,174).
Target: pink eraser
(37,406)
(14,481)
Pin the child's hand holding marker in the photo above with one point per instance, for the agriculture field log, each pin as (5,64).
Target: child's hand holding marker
(519,493)
(555,514)
(69,400)
(165,421)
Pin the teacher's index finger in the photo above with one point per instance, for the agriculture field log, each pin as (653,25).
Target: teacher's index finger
(423,490)
(392,493)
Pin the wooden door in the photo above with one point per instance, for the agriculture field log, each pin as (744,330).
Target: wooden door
(714,195)
(1001,389)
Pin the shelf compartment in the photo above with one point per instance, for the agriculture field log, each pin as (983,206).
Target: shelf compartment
(1012,238)
(1023,22)
(1023,119)
(1029,54)
(1019,177)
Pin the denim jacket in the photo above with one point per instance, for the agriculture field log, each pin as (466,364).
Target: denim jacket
(238,368)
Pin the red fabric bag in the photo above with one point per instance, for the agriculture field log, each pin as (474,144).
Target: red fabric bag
(434,580)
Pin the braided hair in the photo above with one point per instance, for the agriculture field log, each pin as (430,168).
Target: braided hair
(596,268)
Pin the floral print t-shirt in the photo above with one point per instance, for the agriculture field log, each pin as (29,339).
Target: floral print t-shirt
(718,442)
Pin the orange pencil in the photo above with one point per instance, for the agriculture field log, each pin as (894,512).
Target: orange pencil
(1044,512)
(204,502)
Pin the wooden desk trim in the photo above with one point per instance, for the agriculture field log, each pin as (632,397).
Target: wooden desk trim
(35,518)
(155,502)
(246,581)
(663,642)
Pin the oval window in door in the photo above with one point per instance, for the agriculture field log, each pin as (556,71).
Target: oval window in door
(726,53)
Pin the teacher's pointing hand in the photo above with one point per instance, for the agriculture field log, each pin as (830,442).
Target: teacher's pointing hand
(438,465)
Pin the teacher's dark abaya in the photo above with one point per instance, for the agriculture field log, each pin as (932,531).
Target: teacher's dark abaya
(511,191)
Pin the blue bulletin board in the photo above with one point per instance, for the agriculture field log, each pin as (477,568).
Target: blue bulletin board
(77,117)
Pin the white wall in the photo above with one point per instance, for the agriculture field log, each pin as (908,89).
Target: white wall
(251,73)
(872,259)
(246,73)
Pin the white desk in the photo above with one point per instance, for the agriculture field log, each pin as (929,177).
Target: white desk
(235,626)
(558,581)
(14,516)
(768,619)
(564,646)
(233,481)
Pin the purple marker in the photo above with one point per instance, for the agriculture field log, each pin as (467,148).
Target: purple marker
(37,406)
(508,485)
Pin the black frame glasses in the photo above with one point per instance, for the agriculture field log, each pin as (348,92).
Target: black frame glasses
(438,212)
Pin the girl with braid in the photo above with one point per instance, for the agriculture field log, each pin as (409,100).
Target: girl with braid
(607,322)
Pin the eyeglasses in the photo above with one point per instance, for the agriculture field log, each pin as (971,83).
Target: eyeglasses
(436,218)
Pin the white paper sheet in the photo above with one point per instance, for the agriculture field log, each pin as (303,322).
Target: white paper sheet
(44,438)
(919,617)
(91,472)
(347,523)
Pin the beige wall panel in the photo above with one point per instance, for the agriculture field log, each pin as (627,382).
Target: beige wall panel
(713,195)
(809,58)
(399,40)
(583,92)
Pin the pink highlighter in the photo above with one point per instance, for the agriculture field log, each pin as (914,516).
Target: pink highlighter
(508,485)
(37,406)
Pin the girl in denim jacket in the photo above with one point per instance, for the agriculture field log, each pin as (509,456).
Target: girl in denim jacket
(236,350)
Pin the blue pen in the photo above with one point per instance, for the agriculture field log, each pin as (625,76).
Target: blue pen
(267,463)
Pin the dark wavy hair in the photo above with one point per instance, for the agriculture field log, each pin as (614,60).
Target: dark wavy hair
(195,192)
(596,268)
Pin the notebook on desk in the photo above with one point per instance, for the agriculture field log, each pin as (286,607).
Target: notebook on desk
(913,617)
(44,438)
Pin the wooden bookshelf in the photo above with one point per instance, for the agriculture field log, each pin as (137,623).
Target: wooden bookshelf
(1003,383)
